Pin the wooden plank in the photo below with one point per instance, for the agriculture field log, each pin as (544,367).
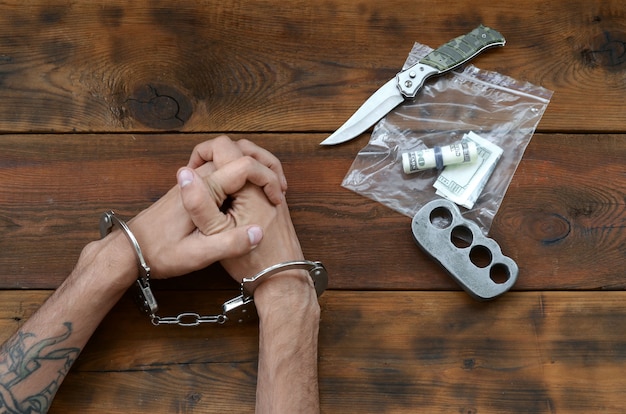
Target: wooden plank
(196,388)
(147,77)
(564,211)
(436,352)
(566,207)
(275,66)
(16,307)
(443,352)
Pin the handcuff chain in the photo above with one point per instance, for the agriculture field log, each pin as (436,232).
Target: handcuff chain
(187,319)
(239,308)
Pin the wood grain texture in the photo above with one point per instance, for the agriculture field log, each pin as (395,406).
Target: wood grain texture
(395,352)
(102,101)
(443,352)
(563,213)
(275,66)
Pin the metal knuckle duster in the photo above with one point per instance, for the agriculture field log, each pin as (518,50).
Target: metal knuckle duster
(472,259)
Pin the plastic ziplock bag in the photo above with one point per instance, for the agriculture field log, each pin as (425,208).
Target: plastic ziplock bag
(496,107)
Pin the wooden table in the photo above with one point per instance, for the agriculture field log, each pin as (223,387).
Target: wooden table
(101,102)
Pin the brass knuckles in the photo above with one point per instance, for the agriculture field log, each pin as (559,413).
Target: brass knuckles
(472,259)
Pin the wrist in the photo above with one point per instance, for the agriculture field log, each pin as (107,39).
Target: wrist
(109,263)
(288,295)
(289,316)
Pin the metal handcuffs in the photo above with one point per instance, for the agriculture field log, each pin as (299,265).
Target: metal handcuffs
(240,308)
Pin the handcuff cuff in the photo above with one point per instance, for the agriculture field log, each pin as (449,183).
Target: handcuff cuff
(240,308)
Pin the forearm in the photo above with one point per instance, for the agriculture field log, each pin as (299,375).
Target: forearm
(35,360)
(289,323)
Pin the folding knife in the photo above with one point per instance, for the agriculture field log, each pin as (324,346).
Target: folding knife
(408,82)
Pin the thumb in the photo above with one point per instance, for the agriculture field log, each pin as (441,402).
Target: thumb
(197,251)
(202,205)
(229,244)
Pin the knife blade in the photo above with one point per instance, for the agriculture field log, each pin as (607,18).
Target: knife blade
(407,83)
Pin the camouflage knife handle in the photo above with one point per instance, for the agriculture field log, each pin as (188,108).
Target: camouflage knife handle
(462,49)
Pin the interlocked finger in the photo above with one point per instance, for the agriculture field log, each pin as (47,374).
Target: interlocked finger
(233,176)
(203,202)
(223,150)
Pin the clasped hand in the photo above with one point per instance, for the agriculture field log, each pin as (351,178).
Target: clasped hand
(228,206)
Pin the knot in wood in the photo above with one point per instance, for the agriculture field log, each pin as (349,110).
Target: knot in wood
(549,229)
(608,51)
(160,106)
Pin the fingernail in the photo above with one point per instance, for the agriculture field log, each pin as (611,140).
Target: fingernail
(283,179)
(255,234)
(185,177)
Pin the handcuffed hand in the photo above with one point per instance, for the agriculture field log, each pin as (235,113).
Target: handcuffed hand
(171,241)
(249,203)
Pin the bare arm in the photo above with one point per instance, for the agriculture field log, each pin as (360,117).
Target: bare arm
(289,322)
(286,303)
(36,359)
(34,362)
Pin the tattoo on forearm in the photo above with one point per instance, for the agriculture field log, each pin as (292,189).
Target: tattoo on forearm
(23,356)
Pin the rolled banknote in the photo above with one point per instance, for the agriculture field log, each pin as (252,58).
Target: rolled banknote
(438,157)
(461,183)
